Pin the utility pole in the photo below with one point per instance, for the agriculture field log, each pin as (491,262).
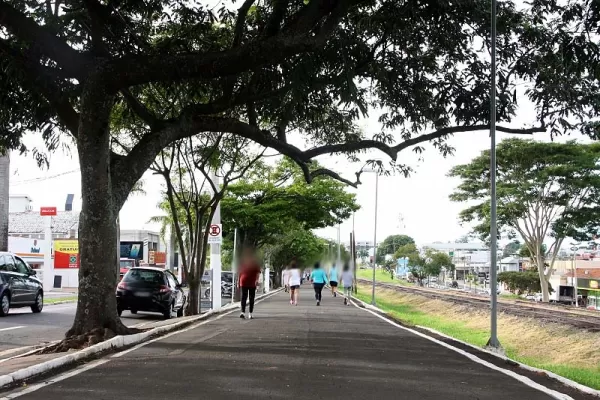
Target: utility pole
(375,240)
(339,250)
(493,342)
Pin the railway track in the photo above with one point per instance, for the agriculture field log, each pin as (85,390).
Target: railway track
(575,318)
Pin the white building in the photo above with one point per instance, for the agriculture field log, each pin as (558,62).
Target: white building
(467,257)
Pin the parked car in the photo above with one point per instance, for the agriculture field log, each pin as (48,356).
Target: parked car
(150,289)
(19,286)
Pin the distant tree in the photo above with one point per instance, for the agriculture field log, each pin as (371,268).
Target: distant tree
(463,239)
(525,252)
(429,264)
(408,250)
(363,254)
(511,248)
(390,244)
(544,189)
(522,282)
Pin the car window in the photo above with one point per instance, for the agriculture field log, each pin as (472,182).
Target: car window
(172,281)
(21,266)
(144,275)
(9,264)
(2,267)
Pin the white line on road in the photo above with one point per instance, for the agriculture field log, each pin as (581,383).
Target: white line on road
(11,328)
(523,379)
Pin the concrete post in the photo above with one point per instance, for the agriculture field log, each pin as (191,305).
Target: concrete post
(48,269)
(215,257)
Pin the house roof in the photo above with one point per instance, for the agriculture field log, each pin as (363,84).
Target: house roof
(586,273)
(33,222)
(509,260)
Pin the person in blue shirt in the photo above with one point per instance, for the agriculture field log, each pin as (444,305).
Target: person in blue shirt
(318,278)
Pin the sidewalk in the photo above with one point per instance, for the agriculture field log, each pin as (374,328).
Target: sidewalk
(286,352)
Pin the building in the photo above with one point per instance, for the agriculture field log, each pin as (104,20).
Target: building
(19,203)
(467,257)
(588,286)
(511,264)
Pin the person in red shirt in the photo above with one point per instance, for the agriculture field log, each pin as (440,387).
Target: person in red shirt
(249,274)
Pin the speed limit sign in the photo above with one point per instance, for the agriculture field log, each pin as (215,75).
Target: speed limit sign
(215,234)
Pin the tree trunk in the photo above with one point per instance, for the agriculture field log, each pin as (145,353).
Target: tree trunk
(96,304)
(194,295)
(543,281)
(4,199)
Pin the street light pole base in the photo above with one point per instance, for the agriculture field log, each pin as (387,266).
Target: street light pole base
(494,346)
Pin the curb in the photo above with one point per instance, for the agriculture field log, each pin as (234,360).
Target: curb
(561,379)
(111,344)
(59,302)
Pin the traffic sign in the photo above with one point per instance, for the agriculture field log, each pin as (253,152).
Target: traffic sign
(215,234)
(48,211)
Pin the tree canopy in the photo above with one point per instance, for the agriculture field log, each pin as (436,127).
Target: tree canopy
(390,244)
(544,189)
(274,200)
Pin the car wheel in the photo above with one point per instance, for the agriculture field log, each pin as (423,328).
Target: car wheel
(4,304)
(169,313)
(119,311)
(180,311)
(39,303)
(134,311)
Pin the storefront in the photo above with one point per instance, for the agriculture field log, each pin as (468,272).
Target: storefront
(589,289)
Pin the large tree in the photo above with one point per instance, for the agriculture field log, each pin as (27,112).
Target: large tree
(545,190)
(260,70)
(196,175)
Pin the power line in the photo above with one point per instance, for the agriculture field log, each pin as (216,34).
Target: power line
(44,178)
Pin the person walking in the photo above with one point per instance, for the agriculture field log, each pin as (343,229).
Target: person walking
(318,278)
(249,275)
(294,282)
(285,276)
(347,281)
(333,280)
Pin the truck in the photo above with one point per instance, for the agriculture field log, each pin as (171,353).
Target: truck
(126,264)
(563,294)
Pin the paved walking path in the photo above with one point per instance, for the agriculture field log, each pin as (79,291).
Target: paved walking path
(303,352)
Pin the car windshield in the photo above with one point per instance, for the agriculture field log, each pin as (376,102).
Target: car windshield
(126,264)
(144,275)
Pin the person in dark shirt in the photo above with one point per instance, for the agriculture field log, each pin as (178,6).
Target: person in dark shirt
(249,274)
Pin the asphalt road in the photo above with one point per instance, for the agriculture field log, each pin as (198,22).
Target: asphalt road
(21,328)
(303,352)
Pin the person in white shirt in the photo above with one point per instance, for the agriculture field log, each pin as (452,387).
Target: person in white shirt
(347,281)
(294,281)
(285,276)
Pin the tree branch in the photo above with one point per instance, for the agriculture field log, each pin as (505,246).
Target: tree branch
(142,111)
(38,77)
(45,41)
(240,22)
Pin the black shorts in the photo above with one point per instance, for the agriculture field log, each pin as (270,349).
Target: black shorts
(333,283)
(295,287)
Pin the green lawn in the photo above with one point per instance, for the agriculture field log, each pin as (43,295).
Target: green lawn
(380,276)
(54,300)
(408,314)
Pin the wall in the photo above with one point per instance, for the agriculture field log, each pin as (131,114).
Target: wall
(19,204)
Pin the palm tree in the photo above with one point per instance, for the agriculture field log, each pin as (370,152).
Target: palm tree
(4,199)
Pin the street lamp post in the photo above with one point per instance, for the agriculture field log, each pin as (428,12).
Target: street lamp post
(374,234)
(493,342)
(375,240)
(574,279)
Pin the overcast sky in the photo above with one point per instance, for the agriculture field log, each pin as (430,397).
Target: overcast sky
(420,200)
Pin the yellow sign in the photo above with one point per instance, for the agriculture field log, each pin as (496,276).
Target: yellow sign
(594,284)
(66,253)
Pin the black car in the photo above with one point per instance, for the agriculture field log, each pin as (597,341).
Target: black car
(18,285)
(150,289)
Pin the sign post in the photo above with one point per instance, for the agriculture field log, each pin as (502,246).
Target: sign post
(215,238)
(48,269)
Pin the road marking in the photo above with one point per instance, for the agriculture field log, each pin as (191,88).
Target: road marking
(523,379)
(11,328)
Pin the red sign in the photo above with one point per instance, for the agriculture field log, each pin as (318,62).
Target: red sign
(48,211)
(215,230)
